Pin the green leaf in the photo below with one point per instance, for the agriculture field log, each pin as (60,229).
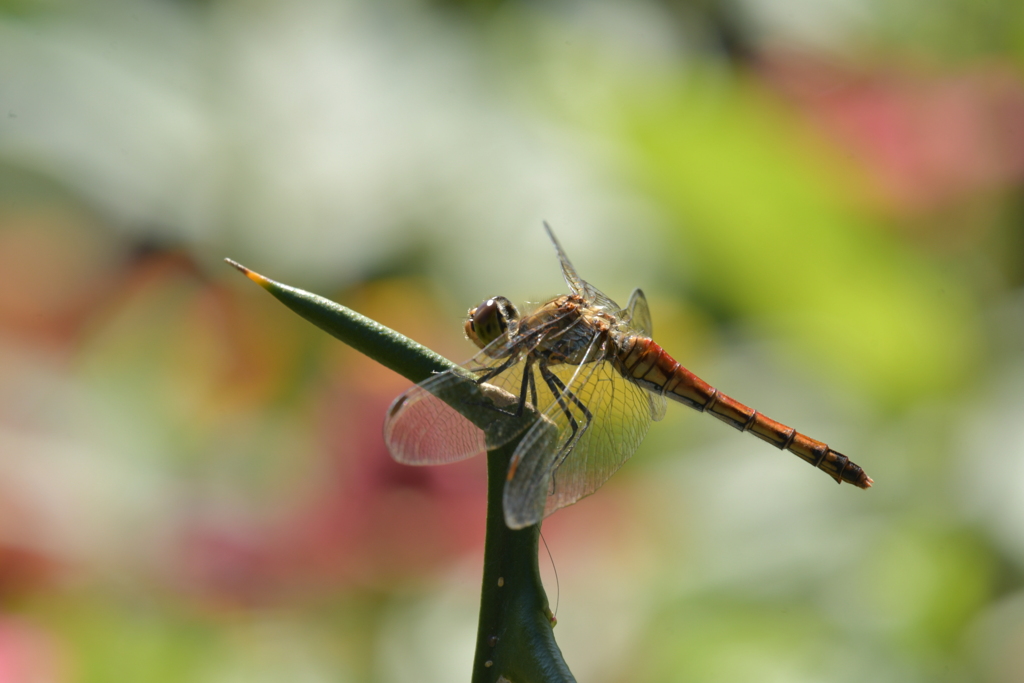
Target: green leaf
(515,638)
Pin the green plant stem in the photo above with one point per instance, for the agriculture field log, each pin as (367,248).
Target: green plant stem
(515,630)
(514,615)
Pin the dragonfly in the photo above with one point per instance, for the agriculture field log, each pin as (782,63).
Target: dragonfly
(579,380)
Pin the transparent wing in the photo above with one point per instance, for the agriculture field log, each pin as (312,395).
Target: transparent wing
(637,318)
(638,314)
(593,295)
(451,416)
(422,429)
(555,466)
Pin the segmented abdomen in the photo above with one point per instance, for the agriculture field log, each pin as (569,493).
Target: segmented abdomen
(643,361)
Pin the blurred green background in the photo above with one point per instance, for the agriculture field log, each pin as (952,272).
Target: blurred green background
(822,199)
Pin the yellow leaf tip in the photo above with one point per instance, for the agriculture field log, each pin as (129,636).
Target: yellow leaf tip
(252,275)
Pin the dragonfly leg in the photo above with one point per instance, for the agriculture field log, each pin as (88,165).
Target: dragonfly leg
(491,373)
(533,386)
(557,387)
(564,397)
(568,394)
(527,382)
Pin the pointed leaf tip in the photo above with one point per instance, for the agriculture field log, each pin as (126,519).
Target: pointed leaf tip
(237,265)
(252,275)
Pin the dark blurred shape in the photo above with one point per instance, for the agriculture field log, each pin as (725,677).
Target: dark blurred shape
(718,26)
(474,8)
(23,571)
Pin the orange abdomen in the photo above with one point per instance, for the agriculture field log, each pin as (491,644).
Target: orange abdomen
(643,361)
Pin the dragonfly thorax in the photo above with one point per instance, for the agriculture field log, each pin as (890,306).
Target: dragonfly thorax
(490,320)
(566,331)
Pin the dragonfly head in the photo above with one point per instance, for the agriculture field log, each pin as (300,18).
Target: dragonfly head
(490,320)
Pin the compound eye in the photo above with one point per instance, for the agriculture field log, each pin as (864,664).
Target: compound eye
(490,320)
